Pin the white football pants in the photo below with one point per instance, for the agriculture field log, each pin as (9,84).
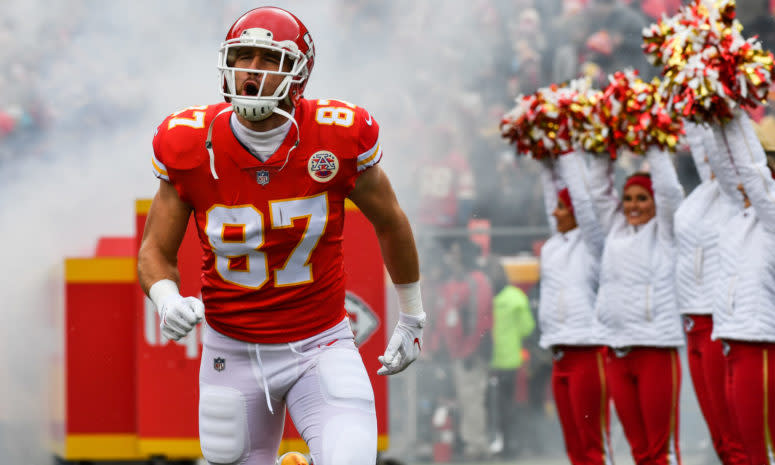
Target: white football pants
(321,380)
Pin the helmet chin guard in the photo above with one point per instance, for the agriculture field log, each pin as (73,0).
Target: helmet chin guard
(253,109)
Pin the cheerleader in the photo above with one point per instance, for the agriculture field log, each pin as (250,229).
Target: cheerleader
(744,311)
(570,261)
(636,303)
(697,224)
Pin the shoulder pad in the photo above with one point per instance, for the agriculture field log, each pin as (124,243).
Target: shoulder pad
(350,122)
(179,142)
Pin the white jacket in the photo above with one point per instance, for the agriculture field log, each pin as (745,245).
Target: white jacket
(636,299)
(570,262)
(698,221)
(745,297)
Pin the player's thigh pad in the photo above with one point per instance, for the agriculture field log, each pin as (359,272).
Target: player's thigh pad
(223,423)
(343,378)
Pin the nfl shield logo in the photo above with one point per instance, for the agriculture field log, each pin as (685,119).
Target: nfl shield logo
(262,177)
(219,364)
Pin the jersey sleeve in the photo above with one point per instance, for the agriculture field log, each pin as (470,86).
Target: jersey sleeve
(369,147)
(178,143)
(159,168)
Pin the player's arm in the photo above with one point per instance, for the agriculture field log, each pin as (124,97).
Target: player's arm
(157,263)
(374,196)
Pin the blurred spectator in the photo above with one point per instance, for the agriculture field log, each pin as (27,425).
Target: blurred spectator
(512,321)
(614,40)
(462,332)
(567,34)
(445,182)
(528,49)
(654,9)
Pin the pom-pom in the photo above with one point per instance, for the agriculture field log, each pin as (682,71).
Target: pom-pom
(556,119)
(636,115)
(538,124)
(709,68)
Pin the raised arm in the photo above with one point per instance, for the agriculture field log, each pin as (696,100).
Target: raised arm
(668,192)
(751,162)
(549,182)
(695,136)
(601,188)
(573,172)
(721,164)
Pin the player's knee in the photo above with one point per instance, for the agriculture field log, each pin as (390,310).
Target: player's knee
(222,424)
(344,379)
(349,440)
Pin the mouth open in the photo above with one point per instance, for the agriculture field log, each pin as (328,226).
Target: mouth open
(250,88)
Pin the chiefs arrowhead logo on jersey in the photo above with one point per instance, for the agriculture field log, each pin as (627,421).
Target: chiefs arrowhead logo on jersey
(363,320)
(323,166)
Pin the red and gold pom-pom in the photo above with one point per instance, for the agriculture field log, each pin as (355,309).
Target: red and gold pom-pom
(709,68)
(538,124)
(636,115)
(556,119)
(588,129)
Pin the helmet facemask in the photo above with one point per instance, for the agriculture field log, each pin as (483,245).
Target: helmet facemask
(258,107)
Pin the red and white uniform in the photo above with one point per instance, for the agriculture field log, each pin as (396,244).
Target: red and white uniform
(698,222)
(273,281)
(570,266)
(271,232)
(636,302)
(744,312)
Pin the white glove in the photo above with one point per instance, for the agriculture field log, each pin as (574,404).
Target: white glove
(404,346)
(178,314)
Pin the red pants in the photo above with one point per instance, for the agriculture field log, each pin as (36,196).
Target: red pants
(707,368)
(645,383)
(581,397)
(751,392)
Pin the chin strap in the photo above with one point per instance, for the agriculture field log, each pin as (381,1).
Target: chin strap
(209,141)
(290,117)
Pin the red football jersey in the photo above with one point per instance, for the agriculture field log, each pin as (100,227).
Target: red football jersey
(271,232)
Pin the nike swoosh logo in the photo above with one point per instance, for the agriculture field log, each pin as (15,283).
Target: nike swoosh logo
(417,341)
(368,121)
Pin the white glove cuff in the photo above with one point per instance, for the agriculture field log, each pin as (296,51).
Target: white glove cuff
(161,290)
(409,298)
(414,321)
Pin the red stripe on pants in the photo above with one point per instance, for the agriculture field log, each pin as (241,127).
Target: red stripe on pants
(751,391)
(581,396)
(645,383)
(707,367)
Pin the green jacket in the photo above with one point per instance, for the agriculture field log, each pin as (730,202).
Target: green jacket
(512,321)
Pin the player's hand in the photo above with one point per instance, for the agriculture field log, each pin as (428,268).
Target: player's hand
(404,346)
(179,315)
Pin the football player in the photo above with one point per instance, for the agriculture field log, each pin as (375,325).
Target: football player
(266,175)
